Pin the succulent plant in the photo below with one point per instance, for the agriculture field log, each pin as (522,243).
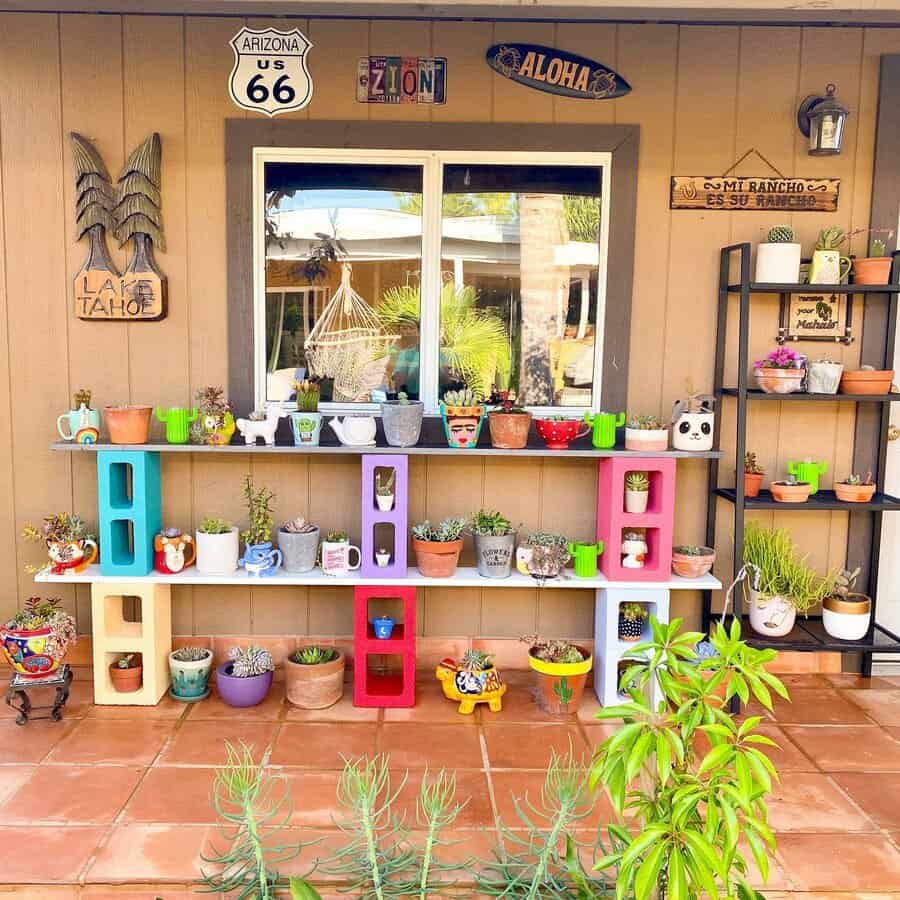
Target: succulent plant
(39,612)
(843,583)
(126,661)
(633,611)
(546,539)
(259,510)
(337,537)
(556,651)
(490,522)
(82,396)
(548,560)
(878,247)
(191,654)
(505,402)
(314,655)
(463,397)
(637,481)
(384,485)
(212,525)
(307,395)
(444,532)
(751,466)
(780,234)
(252,661)
(859,479)
(62,527)
(830,238)
(691,550)
(299,525)
(646,423)
(476,660)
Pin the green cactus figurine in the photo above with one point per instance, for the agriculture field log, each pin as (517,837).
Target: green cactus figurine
(808,470)
(603,428)
(177,421)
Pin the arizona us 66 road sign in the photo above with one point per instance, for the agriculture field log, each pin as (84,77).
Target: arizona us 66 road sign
(270,74)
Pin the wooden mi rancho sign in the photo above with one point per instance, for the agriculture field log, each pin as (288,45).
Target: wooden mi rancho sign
(733,194)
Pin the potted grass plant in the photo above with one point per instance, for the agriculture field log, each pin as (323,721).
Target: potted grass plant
(437,547)
(509,424)
(562,669)
(306,420)
(495,543)
(314,677)
(245,677)
(217,547)
(189,668)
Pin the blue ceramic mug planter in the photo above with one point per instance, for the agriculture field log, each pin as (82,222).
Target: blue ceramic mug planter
(261,559)
(384,627)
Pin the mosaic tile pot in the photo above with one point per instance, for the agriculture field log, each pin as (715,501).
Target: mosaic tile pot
(27,653)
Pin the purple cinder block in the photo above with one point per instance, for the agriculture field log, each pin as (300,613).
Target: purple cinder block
(394,514)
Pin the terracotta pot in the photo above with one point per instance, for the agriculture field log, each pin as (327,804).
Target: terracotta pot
(558,433)
(127,681)
(509,431)
(872,270)
(128,424)
(790,493)
(314,687)
(854,493)
(772,616)
(687,566)
(867,381)
(779,381)
(752,483)
(437,559)
(847,620)
(646,439)
(560,685)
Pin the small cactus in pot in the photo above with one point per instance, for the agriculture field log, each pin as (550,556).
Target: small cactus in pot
(189,668)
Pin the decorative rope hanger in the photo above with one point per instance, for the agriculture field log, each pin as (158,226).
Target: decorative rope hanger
(756,152)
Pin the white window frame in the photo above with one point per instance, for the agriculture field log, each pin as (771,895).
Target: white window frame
(432,164)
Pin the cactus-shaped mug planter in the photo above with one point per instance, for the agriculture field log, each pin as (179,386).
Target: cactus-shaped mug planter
(178,421)
(808,471)
(603,428)
(585,556)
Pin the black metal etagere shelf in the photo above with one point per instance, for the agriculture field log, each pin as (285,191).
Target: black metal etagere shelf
(870,447)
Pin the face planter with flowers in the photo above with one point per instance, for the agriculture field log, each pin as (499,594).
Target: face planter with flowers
(70,546)
(463,415)
(781,371)
(693,422)
(36,638)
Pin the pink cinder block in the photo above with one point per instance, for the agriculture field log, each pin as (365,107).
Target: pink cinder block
(658,520)
(393,690)
(372,516)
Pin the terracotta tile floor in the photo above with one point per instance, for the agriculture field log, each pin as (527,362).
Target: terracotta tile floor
(131,785)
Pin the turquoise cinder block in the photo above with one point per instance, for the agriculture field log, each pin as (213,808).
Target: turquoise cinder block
(130,500)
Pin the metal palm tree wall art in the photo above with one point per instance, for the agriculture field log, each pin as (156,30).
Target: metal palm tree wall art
(131,211)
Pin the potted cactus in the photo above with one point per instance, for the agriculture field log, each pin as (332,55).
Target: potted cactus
(384,489)
(690,561)
(632,617)
(298,540)
(189,668)
(781,371)
(876,267)
(845,614)
(437,547)
(562,669)
(217,547)
(778,257)
(314,677)
(306,421)
(646,433)
(509,424)
(823,376)
(245,678)
(855,488)
(463,415)
(637,492)
(753,475)
(126,673)
(495,543)
(402,420)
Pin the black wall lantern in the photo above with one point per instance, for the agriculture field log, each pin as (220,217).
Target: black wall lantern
(822,119)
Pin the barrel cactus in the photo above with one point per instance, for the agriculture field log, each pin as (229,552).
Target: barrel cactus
(780,234)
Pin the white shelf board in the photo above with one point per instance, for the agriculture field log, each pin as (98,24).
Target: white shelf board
(465,577)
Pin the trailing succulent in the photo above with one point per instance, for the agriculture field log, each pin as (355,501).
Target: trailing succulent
(313,655)
(444,532)
(252,661)
(546,539)
(552,651)
(490,522)
(62,527)
(259,509)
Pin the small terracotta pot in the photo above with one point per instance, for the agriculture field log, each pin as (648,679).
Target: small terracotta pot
(128,424)
(790,493)
(779,381)
(854,493)
(689,566)
(867,381)
(127,681)
(314,687)
(437,559)
(509,431)
(752,483)
(872,270)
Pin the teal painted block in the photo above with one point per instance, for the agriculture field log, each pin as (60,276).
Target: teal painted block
(129,497)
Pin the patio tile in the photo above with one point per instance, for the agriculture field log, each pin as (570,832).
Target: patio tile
(86,795)
(818,706)
(598,732)
(132,742)
(787,756)
(810,801)
(12,778)
(878,795)
(318,745)
(471,790)
(850,748)
(139,892)
(881,706)
(152,853)
(855,862)
(849,681)
(213,707)
(342,711)
(793,681)
(314,796)
(528,746)
(433,706)
(36,854)
(167,708)
(203,743)
(432,746)
(173,794)
(42,737)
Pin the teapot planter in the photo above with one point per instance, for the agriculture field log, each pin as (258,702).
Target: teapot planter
(178,421)
(261,560)
(355,431)
(603,428)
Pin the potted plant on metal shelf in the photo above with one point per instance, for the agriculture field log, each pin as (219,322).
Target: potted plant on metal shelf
(778,257)
(71,546)
(189,668)
(128,424)
(215,421)
(384,490)
(646,433)
(336,550)
(845,614)
(781,371)
(245,677)
(876,267)
(298,540)
(632,617)
(217,547)
(545,540)
(35,640)
(314,677)
(437,547)
(509,424)
(402,420)
(828,266)
(753,475)
(790,490)
(562,669)
(259,558)
(126,673)
(808,470)
(637,491)
(855,488)
(306,421)
(693,422)
(867,380)
(823,376)
(779,583)
(463,415)
(495,543)
(690,561)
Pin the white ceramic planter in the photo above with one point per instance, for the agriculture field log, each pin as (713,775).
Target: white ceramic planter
(778,263)
(771,616)
(693,431)
(217,554)
(823,377)
(648,440)
(846,621)
(385,502)
(636,501)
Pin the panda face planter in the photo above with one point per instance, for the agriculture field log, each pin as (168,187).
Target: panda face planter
(693,431)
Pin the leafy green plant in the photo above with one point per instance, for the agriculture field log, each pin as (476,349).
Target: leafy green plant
(696,808)
(445,531)
(313,655)
(490,522)
(212,525)
(646,423)
(259,511)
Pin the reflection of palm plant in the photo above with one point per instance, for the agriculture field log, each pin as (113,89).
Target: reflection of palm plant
(474,342)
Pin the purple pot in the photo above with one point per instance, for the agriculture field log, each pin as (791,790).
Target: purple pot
(242,691)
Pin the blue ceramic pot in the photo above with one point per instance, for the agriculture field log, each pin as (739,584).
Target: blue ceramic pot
(384,627)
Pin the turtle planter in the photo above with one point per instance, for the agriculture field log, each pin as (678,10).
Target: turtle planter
(471,687)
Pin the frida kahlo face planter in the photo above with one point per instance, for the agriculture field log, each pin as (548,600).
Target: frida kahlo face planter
(462,425)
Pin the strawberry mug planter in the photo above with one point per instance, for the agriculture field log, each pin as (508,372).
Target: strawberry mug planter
(557,433)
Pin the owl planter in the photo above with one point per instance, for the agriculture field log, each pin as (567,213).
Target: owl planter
(693,423)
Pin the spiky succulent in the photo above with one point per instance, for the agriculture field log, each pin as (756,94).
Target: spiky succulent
(252,661)
(855,479)
(191,654)
(212,525)
(476,660)
(307,395)
(780,234)
(490,522)
(633,611)
(556,651)
(82,396)
(299,525)
(751,466)
(463,397)
(314,655)
(445,531)
(830,238)
(646,423)
(637,481)
(337,537)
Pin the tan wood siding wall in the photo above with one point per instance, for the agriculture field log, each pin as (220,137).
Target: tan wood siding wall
(702,96)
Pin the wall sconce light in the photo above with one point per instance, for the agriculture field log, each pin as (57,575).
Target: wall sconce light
(822,119)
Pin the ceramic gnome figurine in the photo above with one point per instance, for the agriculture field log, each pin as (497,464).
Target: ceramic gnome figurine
(693,422)
(634,550)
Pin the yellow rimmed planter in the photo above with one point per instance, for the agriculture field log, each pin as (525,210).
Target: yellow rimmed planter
(560,685)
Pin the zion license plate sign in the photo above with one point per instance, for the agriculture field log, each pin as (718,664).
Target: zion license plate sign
(401,79)
(270,74)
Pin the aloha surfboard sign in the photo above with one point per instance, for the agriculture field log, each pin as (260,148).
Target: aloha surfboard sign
(556,71)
